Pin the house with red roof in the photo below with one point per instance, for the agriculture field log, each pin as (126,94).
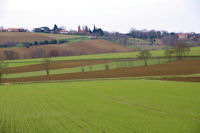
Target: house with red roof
(84,31)
(3,30)
(17,30)
(183,35)
(14,29)
(63,32)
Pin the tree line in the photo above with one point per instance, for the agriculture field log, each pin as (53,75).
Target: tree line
(167,38)
(180,50)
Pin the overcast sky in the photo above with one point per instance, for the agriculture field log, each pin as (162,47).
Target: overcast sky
(110,15)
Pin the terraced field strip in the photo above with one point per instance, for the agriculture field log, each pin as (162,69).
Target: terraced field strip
(56,65)
(89,67)
(60,36)
(101,107)
(177,68)
(195,51)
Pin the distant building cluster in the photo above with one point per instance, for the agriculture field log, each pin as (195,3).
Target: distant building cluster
(83,31)
(191,36)
(80,31)
(55,30)
(93,34)
(13,30)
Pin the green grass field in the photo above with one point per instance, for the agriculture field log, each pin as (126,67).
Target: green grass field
(195,51)
(119,106)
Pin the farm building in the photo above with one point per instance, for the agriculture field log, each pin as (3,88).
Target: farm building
(64,32)
(183,35)
(85,30)
(13,30)
(42,29)
(3,30)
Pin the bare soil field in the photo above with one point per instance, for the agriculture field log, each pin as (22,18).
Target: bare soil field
(55,65)
(21,37)
(177,68)
(77,48)
(187,79)
(6,37)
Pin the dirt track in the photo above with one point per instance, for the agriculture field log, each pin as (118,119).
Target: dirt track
(177,68)
(55,65)
(188,79)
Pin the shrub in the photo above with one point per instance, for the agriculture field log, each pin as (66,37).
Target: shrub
(35,43)
(30,44)
(53,53)
(67,53)
(10,44)
(26,44)
(53,42)
(144,55)
(63,41)
(11,55)
(38,53)
(44,42)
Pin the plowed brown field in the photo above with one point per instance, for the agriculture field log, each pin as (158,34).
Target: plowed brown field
(55,65)
(6,37)
(77,48)
(177,68)
(21,37)
(188,79)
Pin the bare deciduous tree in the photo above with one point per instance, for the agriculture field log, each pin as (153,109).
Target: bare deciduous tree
(107,67)
(181,50)
(170,39)
(38,53)
(168,53)
(144,55)
(11,55)
(3,67)
(47,64)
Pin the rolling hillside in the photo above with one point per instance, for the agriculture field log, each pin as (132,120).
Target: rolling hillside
(77,48)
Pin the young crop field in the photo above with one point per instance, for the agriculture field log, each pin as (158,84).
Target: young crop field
(119,106)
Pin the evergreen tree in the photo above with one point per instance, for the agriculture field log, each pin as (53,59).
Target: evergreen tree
(56,29)
(94,30)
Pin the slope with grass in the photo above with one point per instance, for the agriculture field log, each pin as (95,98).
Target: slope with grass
(120,106)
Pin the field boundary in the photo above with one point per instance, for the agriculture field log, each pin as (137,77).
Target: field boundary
(114,59)
(155,78)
